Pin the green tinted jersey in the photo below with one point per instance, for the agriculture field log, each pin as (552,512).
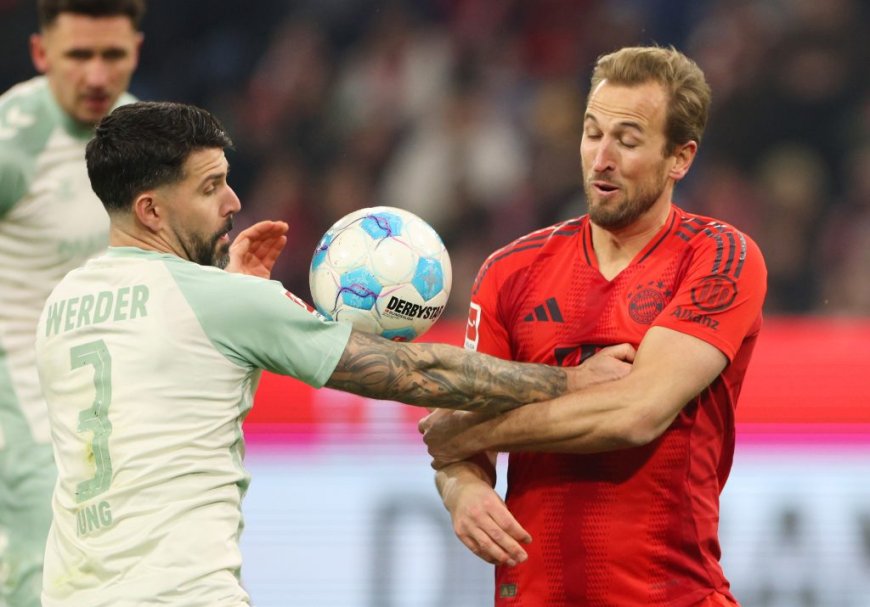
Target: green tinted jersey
(149,364)
(50,222)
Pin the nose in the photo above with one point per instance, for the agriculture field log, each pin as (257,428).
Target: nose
(603,156)
(233,204)
(97,73)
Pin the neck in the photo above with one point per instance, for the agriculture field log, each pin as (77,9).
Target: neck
(121,235)
(615,248)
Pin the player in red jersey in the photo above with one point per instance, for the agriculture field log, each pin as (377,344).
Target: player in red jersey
(617,484)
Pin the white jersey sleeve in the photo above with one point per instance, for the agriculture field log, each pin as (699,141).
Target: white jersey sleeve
(149,364)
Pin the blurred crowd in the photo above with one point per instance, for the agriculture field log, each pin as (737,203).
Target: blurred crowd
(468,113)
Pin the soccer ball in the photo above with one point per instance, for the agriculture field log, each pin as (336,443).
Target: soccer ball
(383,269)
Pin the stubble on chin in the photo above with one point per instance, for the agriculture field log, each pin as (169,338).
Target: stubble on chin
(222,257)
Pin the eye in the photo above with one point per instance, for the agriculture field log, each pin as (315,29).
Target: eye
(79,54)
(114,54)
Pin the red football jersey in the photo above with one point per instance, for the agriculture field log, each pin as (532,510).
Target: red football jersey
(635,527)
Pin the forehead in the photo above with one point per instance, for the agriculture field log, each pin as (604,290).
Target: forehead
(71,30)
(205,162)
(644,104)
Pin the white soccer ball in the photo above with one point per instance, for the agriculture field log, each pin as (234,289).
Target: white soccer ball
(383,269)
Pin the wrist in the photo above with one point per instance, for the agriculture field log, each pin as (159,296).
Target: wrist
(454,478)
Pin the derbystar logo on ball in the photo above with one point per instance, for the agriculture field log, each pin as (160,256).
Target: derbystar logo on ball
(406,309)
(384,270)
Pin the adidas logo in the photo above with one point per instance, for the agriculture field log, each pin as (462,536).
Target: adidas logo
(546,312)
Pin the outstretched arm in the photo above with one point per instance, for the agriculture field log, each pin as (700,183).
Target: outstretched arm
(671,368)
(438,375)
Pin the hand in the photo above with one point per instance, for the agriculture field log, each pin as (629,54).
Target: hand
(255,250)
(608,364)
(441,430)
(481,520)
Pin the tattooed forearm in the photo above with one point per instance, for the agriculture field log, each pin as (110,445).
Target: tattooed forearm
(438,375)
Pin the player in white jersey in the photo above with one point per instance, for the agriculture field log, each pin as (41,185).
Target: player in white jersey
(149,359)
(50,222)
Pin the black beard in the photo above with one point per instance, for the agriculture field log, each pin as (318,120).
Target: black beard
(207,252)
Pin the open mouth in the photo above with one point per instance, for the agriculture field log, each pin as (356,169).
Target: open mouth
(604,187)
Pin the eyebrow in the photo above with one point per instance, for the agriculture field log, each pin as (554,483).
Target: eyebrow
(217,176)
(87,51)
(625,124)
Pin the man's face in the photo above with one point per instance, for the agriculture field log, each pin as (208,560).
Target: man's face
(199,209)
(88,61)
(625,171)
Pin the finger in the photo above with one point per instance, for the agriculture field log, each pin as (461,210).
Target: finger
(624,352)
(506,521)
(438,462)
(479,543)
(424,423)
(240,244)
(490,546)
(262,228)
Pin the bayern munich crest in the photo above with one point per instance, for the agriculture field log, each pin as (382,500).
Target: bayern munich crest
(647,301)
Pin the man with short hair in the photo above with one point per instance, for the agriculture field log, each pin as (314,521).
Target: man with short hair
(50,222)
(149,356)
(613,491)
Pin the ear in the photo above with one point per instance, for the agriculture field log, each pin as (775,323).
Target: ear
(140,37)
(683,157)
(148,212)
(37,53)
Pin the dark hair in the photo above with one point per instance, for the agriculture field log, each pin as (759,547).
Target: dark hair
(48,10)
(687,89)
(142,146)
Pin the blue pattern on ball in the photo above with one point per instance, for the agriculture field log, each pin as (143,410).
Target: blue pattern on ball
(321,249)
(382,225)
(428,278)
(405,334)
(359,289)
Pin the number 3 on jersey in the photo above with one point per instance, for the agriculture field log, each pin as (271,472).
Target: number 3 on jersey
(96,418)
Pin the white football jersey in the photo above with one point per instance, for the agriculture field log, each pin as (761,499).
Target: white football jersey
(50,222)
(149,364)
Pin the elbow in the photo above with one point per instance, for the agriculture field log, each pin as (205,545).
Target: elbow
(636,429)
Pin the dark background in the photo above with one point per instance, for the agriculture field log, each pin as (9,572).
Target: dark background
(468,113)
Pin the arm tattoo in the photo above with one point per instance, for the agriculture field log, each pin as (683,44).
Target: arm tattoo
(438,375)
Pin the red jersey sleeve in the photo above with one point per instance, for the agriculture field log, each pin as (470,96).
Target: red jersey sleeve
(485,332)
(720,298)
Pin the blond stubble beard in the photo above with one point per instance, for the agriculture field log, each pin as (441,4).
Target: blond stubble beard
(628,210)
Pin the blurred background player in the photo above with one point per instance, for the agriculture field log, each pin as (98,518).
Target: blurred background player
(50,222)
(616,487)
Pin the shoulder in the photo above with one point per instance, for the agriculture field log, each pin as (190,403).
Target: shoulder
(722,252)
(710,235)
(214,286)
(25,117)
(526,250)
(26,124)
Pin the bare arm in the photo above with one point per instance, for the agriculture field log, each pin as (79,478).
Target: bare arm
(438,375)
(670,369)
(481,519)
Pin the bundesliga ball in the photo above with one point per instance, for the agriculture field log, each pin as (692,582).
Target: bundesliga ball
(383,269)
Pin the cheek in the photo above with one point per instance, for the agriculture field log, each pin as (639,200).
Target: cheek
(124,70)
